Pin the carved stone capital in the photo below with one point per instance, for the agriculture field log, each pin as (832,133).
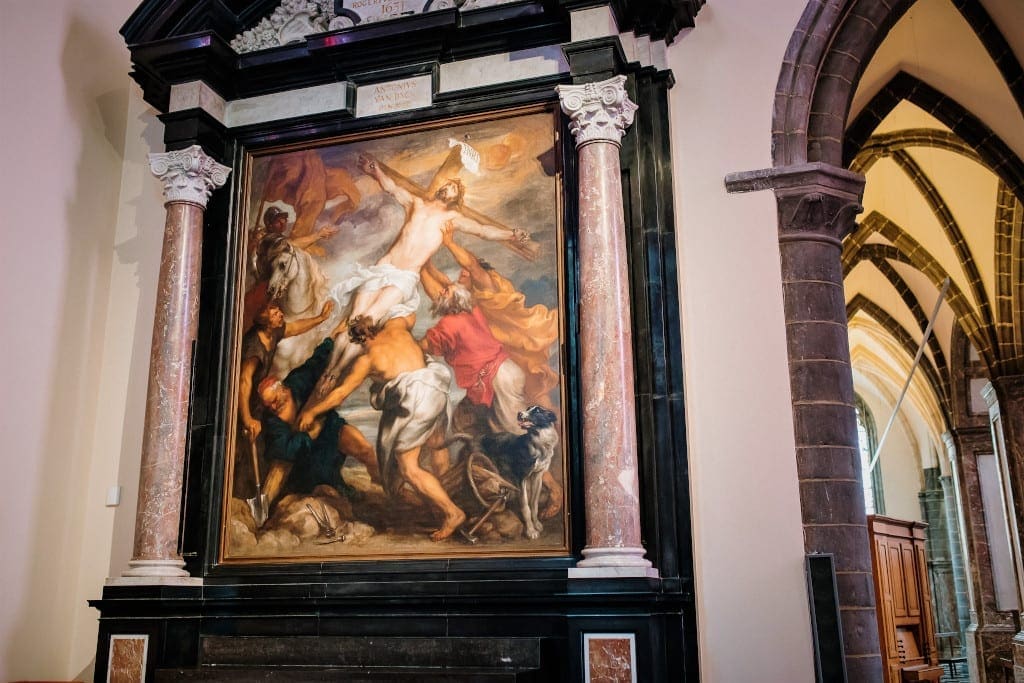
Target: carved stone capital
(189,175)
(827,216)
(598,112)
(817,201)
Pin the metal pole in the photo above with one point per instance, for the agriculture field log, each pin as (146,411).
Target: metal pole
(910,376)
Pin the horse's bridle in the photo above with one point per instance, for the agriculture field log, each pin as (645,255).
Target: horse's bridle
(292,260)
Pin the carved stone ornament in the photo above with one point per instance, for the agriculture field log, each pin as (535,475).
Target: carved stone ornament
(293,20)
(189,175)
(832,216)
(599,112)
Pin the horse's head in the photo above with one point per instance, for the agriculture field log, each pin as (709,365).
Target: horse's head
(282,266)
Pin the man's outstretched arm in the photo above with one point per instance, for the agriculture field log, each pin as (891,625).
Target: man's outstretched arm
(489,232)
(433,280)
(306,324)
(357,375)
(467,261)
(314,237)
(372,167)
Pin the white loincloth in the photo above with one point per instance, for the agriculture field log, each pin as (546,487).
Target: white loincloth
(412,406)
(509,398)
(379,276)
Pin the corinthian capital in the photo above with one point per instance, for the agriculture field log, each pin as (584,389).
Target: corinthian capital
(189,175)
(598,112)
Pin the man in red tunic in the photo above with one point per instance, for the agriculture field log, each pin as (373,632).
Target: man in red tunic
(482,366)
(492,378)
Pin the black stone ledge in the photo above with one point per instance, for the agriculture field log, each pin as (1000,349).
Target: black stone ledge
(375,651)
(306,674)
(470,586)
(800,178)
(660,20)
(446,601)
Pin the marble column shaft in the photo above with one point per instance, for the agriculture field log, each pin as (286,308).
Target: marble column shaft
(956,556)
(1009,389)
(938,552)
(189,177)
(174,328)
(599,114)
(606,355)
(990,630)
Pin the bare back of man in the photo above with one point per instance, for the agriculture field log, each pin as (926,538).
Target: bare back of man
(389,351)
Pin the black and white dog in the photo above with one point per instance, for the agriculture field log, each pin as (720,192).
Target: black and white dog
(524,458)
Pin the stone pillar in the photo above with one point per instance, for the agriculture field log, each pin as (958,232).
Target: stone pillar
(938,554)
(1005,397)
(956,558)
(817,204)
(189,176)
(817,208)
(990,631)
(599,115)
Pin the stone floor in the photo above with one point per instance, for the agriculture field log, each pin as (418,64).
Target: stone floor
(961,674)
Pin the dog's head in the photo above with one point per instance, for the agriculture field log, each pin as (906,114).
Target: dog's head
(535,417)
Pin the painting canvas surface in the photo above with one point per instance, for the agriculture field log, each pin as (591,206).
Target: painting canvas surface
(398,379)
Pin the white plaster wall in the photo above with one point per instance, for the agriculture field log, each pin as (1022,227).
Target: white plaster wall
(753,622)
(900,461)
(82,240)
(73,402)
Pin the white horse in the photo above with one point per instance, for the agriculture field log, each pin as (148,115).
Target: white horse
(299,287)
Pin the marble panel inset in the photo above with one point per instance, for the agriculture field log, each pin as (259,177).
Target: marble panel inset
(127,661)
(393,96)
(609,657)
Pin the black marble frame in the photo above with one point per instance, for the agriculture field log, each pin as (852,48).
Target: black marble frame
(501,599)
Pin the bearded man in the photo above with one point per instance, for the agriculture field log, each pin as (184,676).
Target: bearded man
(482,365)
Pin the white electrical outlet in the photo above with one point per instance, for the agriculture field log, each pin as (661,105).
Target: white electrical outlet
(113,496)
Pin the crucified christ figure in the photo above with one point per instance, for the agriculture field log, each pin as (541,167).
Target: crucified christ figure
(380,291)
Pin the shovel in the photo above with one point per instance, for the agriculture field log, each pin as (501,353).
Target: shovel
(257,505)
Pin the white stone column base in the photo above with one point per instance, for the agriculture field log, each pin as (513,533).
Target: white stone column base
(155,573)
(612,563)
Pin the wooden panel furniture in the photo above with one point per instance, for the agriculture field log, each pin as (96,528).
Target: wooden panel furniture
(903,598)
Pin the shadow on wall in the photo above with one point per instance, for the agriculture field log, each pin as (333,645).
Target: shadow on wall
(146,214)
(53,630)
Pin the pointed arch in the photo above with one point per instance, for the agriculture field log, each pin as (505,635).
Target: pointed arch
(827,53)
(933,371)
(886,144)
(996,154)
(950,228)
(905,249)
(995,44)
(920,317)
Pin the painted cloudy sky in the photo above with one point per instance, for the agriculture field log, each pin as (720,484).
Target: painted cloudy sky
(516,186)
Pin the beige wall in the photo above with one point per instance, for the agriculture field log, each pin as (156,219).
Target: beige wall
(751,596)
(85,251)
(68,260)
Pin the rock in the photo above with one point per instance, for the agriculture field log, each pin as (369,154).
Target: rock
(508,524)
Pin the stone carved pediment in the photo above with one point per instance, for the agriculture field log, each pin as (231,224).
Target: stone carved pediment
(293,20)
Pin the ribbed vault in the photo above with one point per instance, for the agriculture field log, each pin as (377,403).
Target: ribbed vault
(943,198)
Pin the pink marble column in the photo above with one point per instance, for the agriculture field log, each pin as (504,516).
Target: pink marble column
(599,115)
(1005,398)
(189,176)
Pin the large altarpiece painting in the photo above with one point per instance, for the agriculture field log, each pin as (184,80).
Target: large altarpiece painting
(407,447)
(398,388)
